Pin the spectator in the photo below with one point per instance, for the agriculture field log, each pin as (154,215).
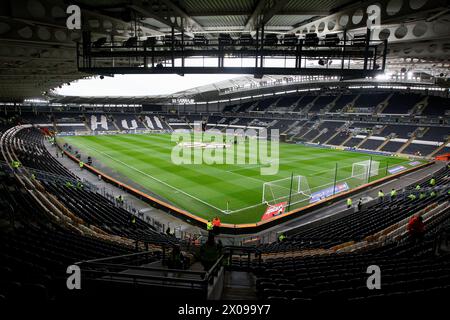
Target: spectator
(393,194)
(433,181)
(380,196)
(349,203)
(216,225)
(416,228)
(359,204)
(209,226)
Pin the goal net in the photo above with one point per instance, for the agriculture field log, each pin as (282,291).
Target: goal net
(365,169)
(277,191)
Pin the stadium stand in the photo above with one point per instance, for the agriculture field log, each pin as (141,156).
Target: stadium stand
(341,102)
(436,106)
(91,180)
(300,268)
(402,103)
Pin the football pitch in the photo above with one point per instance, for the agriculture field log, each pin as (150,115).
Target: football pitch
(234,192)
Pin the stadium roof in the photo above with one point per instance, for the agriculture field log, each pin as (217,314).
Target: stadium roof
(37,51)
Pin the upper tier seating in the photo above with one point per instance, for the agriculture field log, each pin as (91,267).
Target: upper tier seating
(401,103)
(369,101)
(321,103)
(342,102)
(263,105)
(305,100)
(286,102)
(437,106)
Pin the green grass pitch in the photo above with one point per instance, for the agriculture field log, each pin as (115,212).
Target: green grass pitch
(205,190)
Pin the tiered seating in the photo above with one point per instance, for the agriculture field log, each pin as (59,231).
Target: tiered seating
(128,122)
(305,100)
(302,129)
(178,123)
(353,142)
(358,225)
(321,103)
(90,206)
(342,102)
(311,134)
(99,211)
(444,150)
(402,103)
(282,125)
(419,149)
(392,146)
(436,134)
(33,154)
(101,122)
(401,131)
(154,122)
(367,102)
(36,118)
(409,268)
(286,102)
(371,144)
(36,252)
(263,105)
(339,138)
(68,122)
(332,126)
(245,106)
(437,106)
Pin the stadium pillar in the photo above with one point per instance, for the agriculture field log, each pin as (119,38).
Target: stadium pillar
(335,178)
(173,46)
(366,50)
(290,192)
(343,49)
(370,169)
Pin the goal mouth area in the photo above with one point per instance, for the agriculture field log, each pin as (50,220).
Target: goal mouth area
(294,189)
(364,170)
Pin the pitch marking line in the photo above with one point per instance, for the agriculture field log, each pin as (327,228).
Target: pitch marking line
(156,179)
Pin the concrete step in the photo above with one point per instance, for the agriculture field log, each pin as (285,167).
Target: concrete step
(239,285)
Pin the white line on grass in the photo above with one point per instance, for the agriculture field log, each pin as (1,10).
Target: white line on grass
(156,179)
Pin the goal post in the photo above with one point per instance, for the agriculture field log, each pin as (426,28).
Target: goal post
(363,170)
(277,191)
